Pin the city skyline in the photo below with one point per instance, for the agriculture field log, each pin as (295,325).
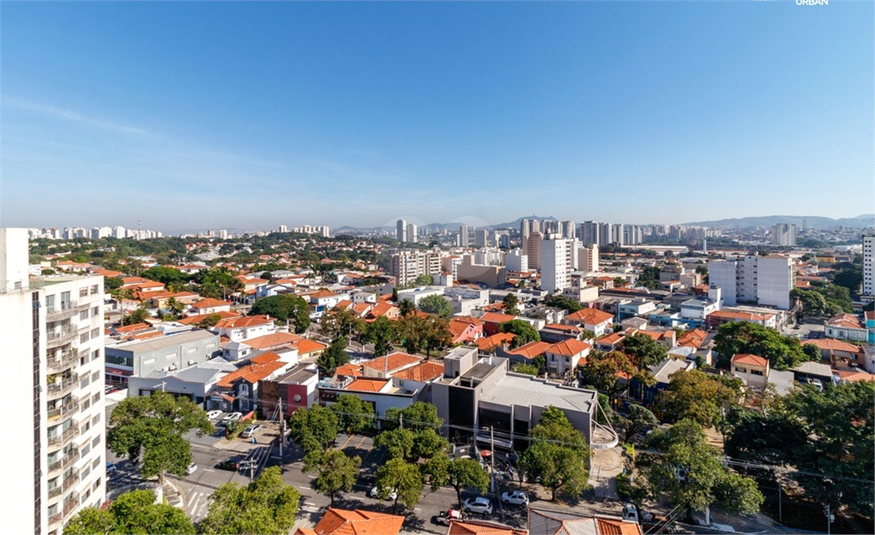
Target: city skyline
(254,115)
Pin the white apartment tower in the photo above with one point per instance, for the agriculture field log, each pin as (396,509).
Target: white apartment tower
(412,232)
(868,281)
(463,235)
(532,249)
(482,238)
(784,234)
(588,258)
(401,230)
(589,232)
(405,266)
(555,270)
(516,260)
(764,280)
(52,334)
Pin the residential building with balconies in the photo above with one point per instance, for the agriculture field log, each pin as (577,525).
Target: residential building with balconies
(52,331)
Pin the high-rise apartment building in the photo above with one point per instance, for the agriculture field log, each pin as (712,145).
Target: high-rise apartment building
(516,260)
(412,233)
(868,281)
(405,266)
(532,249)
(589,232)
(568,229)
(401,230)
(555,271)
(52,334)
(784,235)
(588,258)
(764,280)
(481,238)
(283,228)
(463,235)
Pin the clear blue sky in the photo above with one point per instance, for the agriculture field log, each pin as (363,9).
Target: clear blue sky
(249,115)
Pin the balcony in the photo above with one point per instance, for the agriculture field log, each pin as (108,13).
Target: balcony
(71,505)
(61,360)
(68,459)
(63,387)
(59,338)
(59,440)
(64,410)
(71,480)
(68,309)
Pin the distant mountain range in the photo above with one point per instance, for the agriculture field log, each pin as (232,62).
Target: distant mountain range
(861,221)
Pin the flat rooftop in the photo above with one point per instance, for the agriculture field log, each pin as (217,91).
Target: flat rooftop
(480,370)
(165,341)
(520,389)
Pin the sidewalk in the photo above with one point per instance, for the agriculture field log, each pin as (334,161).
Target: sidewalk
(605,466)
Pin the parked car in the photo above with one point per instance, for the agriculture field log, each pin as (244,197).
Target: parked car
(516,497)
(192,468)
(375,493)
(444,517)
(213,415)
(233,417)
(250,431)
(477,505)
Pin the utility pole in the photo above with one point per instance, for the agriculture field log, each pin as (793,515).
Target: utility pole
(780,499)
(828,520)
(492,458)
(282,428)
(401,420)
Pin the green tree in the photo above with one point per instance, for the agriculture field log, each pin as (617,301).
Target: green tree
(698,396)
(437,334)
(132,512)
(839,425)
(154,425)
(406,307)
(692,474)
(524,332)
(557,456)
(381,332)
(423,280)
(314,428)
(750,338)
(398,443)
(165,275)
(600,371)
(644,350)
(210,321)
(461,474)
(812,352)
(353,414)
(511,302)
(333,357)
(848,276)
(416,416)
(639,419)
(526,368)
(767,437)
(402,477)
(283,308)
(341,323)
(437,305)
(138,315)
(265,506)
(560,301)
(412,330)
(336,471)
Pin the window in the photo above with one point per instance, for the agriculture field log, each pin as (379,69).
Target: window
(96,484)
(83,338)
(83,315)
(95,311)
(96,463)
(95,442)
(85,427)
(83,360)
(96,419)
(94,289)
(95,398)
(95,354)
(96,375)
(85,449)
(95,333)
(83,292)
(85,472)
(86,404)
(50,303)
(84,382)
(65,301)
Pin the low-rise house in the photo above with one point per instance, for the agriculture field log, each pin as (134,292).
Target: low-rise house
(210,306)
(495,343)
(245,327)
(662,372)
(359,522)
(752,369)
(564,357)
(839,353)
(482,527)
(295,389)
(557,332)
(547,522)
(610,342)
(194,382)
(716,319)
(809,372)
(197,318)
(698,308)
(526,353)
(242,384)
(492,322)
(464,329)
(590,319)
(846,327)
(385,366)
(635,307)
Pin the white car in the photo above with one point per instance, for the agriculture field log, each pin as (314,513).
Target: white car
(516,497)
(477,505)
(192,468)
(233,417)
(213,415)
(375,493)
(250,431)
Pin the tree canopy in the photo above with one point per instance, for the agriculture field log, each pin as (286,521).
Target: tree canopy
(336,471)
(698,396)
(381,332)
(743,337)
(560,301)
(644,350)
(333,357)
(314,428)
(284,307)
(557,456)
(132,512)
(154,426)
(265,506)
(437,305)
(402,477)
(353,414)
(524,332)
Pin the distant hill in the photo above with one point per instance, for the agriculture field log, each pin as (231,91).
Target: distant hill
(861,221)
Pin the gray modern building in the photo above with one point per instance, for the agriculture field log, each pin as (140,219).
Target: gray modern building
(165,353)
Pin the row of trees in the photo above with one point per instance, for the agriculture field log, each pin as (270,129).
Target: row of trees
(414,331)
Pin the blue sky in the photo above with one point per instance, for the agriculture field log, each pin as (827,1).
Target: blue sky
(249,115)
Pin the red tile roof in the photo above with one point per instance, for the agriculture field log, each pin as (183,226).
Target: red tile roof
(351,370)
(391,362)
(694,338)
(422,372)
(271,340)
(737,315)
(244,321)
(197,318)
(496,340)
(251,373)
(848,321)
(562,327)
(531,350)
(367,384)
(358,522)
(482,527)
(829,344)
(210,303)
(590,316)
(742,358)
(569,348)
(496,317)
(611,338)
